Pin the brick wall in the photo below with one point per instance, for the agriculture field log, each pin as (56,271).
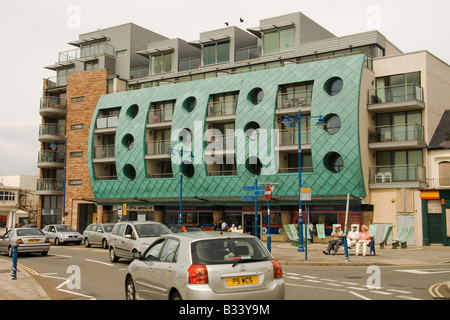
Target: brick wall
(83,92)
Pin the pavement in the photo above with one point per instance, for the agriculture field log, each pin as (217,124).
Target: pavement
(25,287)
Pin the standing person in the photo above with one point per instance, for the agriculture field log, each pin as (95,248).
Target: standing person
(311,232)
(223,225)
(363,239)
(336,240)
(352,236)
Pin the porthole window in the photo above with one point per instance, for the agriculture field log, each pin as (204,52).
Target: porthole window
(255,96)
(133,111)
(332,123)
(128,141)
(189,104)
(188,169)
(252,130)
(333,161)
(253,165)
(185,136)
(129,171)
(333,86)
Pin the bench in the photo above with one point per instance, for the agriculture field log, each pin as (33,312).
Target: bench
(404,242)
(386,237)
(401,234)
(292,233)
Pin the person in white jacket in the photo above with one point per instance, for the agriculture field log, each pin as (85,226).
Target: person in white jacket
(352,236)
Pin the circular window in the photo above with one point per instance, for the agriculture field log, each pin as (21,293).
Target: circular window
(332,123)
(128,141)
(333,161)
(185,136)
(252,130)
(253,165)
(133,111)
(129,171)
(188,169)
(255,96)
(333,86)
(189,104)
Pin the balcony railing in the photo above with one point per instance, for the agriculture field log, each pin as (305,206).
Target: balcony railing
(160,175)
(50,156)
(87,51)
(218,173)
(221,142)
(160,115)
(405,132)
(438,183)
(294,99)
(104,178)
(139,73)
(290,137)
(397,173)
(295,170)
(248,53)
(158,147)
(222,108)
(397,93)
(107,122)
(50,185)
(53,103)
(52,129)
(56,82)
(106,151)
(189,64)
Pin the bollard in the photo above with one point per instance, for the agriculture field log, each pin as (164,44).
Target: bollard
(15,247)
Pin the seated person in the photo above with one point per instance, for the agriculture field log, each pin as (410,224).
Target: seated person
(336,240)
(352,236)
(363,239)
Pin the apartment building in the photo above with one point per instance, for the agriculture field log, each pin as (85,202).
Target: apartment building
(138,121)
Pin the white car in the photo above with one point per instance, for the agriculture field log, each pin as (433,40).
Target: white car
(62,233)
(28,240)
(205,266)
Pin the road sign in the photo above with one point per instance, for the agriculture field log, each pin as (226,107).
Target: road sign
(248,198)
(305,194)
(253,188)
(268,193)
(119,212)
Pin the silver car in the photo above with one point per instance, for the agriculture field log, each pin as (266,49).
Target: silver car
(62,233)
(97,234)
(28,239)
(205,266)
(133,236)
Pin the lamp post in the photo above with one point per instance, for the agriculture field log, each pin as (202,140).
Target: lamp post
(54,146)
(173,152)
(288,121)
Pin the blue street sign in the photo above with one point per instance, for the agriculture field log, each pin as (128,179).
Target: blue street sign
(259,193)
(248,198)
(253,188)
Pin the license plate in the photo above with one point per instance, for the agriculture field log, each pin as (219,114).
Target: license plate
(242,281)
(33,240)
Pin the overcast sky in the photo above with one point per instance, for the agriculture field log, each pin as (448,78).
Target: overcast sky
(33,32)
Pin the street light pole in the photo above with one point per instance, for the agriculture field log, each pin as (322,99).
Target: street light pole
(54,146)
(181,153)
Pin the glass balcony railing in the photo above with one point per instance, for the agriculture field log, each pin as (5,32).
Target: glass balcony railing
(53,103)
(290,137)
(407,132)
(189,64)
(295,169)
(50,156)
(397,93)
(222,108)
(294,99)
(158,147)
(50,184)
(139,73)
(248,53)
(397,173)
(218,173)
(107,122)
(84,52)
(106,151)
(52,129)
(221,142)
(160,115)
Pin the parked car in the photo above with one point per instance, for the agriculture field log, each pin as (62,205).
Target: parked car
(28,239)
(62,233)
(133,236)
(97,234)
(205,266)
(174,228)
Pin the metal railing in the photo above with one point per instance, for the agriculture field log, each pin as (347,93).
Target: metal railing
(53,103)
(397,173)
(294,99)
(404,132)
(50,156)
(52,129)
(105,151)
(50,184)
(396,93)
(222,108)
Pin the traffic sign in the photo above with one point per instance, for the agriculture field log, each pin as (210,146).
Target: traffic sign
(248,198)
(253,188)
(268,193)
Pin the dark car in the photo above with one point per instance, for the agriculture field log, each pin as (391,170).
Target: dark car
(176,228)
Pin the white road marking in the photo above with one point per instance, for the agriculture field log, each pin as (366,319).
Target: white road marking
(77,294)
(359,295)
(100,262)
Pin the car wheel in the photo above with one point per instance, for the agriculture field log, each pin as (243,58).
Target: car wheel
(86,243)
(57,242)
(105,244)
(112,255)
(44,253)
(175,296)
(130,291)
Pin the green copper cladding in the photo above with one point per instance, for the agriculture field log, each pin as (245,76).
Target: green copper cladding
(134,114)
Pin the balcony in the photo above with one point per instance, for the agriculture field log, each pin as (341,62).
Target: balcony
(222,108)
(396,98)
(160,115)
(50,160)
(104,152)
(288,139)
(439,183)
(138,73)
(49,186)
(407,136)
(53,107)
(189,64)
(293,100)
(57,82)
(248,53)
(87,51)
(155,148)
(397,176)
(106,124)
(50,131)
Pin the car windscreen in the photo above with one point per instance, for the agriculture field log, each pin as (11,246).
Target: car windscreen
(29,232)
(150,230)
(108,227)
(65,229)
(235,250)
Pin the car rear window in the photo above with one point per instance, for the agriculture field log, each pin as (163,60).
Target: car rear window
(151,230)
(219,251)
(29,232)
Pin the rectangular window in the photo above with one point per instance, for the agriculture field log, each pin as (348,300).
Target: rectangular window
(121,53)
(75,182)
(78,154)
(216,52)
(280,40)
(161,63)
(91,65)
(77,126)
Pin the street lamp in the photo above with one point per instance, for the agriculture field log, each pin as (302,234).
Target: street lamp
(54,146)
(174,152)
(288,121)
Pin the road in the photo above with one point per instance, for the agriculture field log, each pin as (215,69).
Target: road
(73,272)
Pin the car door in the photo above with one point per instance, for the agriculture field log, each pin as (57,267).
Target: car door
(124,244)
(97,232)
(144,272)
(163,269)
(50,232)
(4,241)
